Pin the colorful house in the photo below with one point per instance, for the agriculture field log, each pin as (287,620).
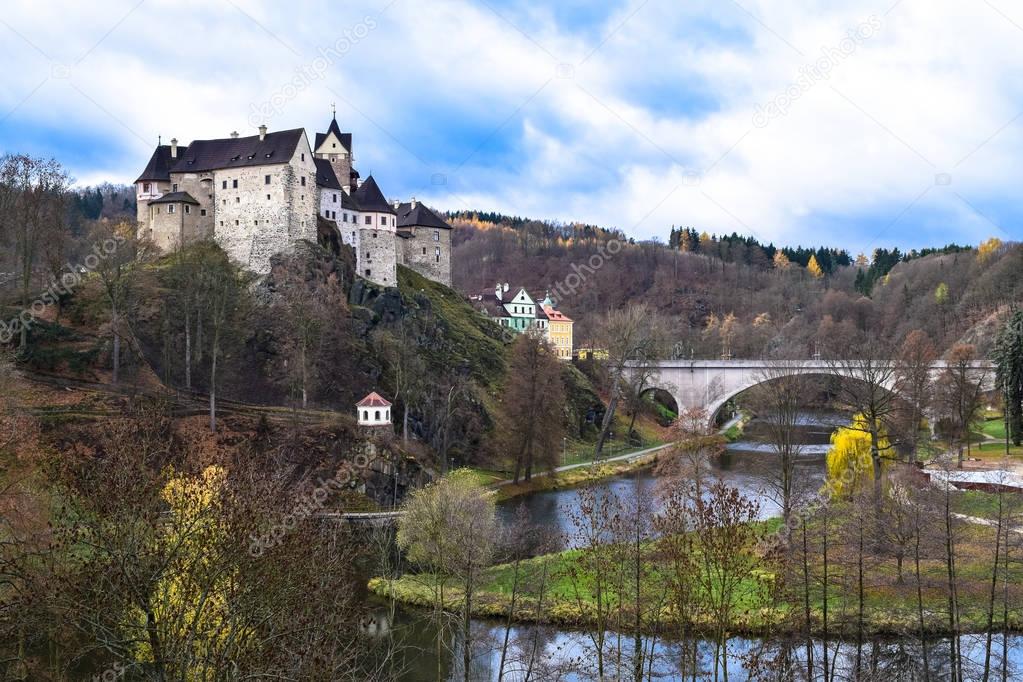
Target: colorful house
(559,329)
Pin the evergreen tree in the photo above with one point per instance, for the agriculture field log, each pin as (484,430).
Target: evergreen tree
(1008,355)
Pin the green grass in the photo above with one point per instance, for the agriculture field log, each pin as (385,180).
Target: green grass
(995,428)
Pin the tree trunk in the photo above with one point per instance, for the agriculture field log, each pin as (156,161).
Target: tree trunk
(188,350)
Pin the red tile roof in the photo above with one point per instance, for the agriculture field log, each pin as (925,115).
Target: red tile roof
(556,315)
(373,400)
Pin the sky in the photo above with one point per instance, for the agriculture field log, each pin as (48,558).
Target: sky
(858,125)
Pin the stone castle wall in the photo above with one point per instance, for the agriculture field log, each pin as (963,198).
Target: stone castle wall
(428,252)
(377,252)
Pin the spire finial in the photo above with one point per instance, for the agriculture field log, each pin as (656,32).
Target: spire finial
(333,111)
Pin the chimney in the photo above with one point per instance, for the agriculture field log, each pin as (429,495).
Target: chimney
(262,133)
(347,189)
(395,203)
(413,202)
(497,291)
(174,147)
(234,135)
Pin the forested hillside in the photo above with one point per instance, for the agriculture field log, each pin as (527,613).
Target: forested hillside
(732,295)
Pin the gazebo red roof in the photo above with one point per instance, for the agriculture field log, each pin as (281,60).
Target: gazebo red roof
(373,400)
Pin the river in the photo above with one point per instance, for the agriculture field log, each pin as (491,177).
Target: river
(750,465)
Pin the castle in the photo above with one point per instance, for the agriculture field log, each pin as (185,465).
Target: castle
(258,195)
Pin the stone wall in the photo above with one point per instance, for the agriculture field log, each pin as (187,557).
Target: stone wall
(377,256)
(257,219)
(428,252)
(169,229)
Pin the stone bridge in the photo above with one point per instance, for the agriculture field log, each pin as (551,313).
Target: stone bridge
(712,383)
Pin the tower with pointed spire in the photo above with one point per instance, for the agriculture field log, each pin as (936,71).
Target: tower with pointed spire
(336,148)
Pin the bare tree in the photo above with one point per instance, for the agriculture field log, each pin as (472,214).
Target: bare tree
(630,336)
(915,360)
(33,195)
(960,389)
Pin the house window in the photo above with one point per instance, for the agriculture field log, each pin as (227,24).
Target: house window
(145,187)
(202,211)
(303,181)
(369,220)
(170,209)
(234,184)
(376,415)
(365,415)
(436,235)
(266,179)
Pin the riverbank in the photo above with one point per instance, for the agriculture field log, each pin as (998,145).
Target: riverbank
(762,608)
(574,475)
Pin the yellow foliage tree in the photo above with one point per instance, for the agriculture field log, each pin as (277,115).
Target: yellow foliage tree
(781,261)
(988,249)
(814,267)
(849,466)
(190,604)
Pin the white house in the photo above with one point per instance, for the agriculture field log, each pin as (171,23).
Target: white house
(373,410)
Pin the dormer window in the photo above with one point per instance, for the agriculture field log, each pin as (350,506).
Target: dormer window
(236,158)
(269,154)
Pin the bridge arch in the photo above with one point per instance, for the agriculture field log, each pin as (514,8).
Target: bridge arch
(712,383)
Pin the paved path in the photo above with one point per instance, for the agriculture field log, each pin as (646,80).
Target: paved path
(627,457)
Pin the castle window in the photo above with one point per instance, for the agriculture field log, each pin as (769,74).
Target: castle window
(374,235)
(234,184)
(333,157)
(237,222)
(188,209)
(303,181)
(333,144)
(145,187)
(174,187)
(157,210)
(202,211)
(266,179)
(437,254)
(268,197)
(170,209)
(224,202)
(367,272)
(369,220)
(225,184)
(221,223)
(424,250)
(255,222)
(436,235)
(237,200)
(303,156)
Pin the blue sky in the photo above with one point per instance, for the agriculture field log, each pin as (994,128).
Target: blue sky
(799,121)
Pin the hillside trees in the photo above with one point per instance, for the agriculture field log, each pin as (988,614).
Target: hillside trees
(915,359)
(531,424)
(1008,356)
(116,273)
(960,393)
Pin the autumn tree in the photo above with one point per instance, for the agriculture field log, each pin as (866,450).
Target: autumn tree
(531,421)
(814,268)
(449,527)
(915,360)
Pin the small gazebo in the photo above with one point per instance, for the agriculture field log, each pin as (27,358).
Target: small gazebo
(373,410)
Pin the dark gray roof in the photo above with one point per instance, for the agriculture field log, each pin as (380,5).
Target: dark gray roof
(159,164)
(175,198)
(491,306)
(370,198)
(345,138)
(325,175)
(238,152)
(419,216)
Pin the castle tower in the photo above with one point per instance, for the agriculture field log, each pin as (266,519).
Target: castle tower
(336,147)
(376,255)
